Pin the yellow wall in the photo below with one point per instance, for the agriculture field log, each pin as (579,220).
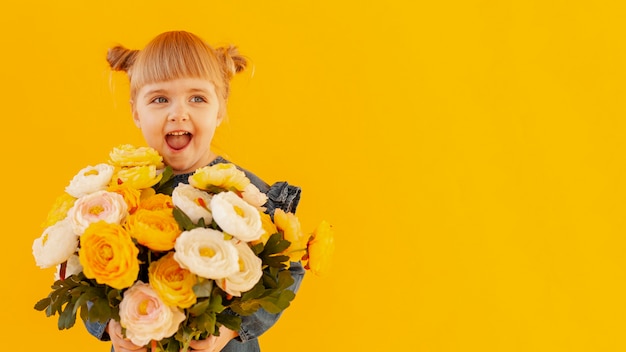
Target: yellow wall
(470,155)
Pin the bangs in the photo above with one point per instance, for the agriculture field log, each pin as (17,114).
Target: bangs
(172,56)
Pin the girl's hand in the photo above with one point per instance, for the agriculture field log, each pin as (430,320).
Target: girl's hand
(213,343)
(120,344)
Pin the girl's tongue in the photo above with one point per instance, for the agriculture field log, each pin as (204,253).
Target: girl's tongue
(178,141)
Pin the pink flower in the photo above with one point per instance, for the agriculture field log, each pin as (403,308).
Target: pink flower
(146,317)
(98,206)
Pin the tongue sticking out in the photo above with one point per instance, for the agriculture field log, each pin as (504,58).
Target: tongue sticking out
(178,142)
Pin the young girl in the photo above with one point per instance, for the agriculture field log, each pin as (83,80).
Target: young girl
(179,87)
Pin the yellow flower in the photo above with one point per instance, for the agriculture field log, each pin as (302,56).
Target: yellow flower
(173,283)
(59,210)
(108,254)
(221,175)
(139,177)
(289,225)
(321,249)
(127,155)
(155,229)
(131,195)
(157,201)
(268,228)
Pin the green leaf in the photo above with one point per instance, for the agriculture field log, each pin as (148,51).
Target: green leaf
(166,185)
(43,304)
(203,289)
(230,321)
(199,308)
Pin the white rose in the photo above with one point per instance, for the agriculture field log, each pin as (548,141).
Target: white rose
(193,202)
(206,253)
(89,180)
(250,272)
(236,217)
(254,197)
(57,243)
(72,267)
(146,317)
(97,206)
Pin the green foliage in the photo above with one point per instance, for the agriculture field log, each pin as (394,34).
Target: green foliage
(79,293)
(166,185)
(184,222)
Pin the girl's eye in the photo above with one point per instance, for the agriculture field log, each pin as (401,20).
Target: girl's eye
(197,99)
(159,100)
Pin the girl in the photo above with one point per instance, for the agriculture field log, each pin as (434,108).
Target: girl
(179,87)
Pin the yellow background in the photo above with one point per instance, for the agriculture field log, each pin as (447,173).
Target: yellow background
(470,155)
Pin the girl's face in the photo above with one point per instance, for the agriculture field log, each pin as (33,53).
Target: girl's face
(178,118)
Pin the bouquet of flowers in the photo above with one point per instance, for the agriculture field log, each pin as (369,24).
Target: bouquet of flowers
(170,263)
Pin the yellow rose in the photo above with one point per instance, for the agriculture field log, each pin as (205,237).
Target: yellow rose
(289,226)
(221,175)
(155,229)
(59,209)
(268,228)
(108,254)
(172,283)
(131,195)
(321,249)
(139,177)
(157,201)
(127,155)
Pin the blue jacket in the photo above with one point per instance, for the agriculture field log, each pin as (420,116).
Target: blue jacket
(280,195)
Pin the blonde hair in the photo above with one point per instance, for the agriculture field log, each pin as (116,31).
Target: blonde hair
(178,54)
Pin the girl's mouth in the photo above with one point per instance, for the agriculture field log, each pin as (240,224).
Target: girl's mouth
(178,140)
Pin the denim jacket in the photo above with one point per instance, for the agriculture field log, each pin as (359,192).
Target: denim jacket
(280,195)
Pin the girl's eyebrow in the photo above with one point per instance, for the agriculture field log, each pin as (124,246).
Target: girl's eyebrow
(154,91)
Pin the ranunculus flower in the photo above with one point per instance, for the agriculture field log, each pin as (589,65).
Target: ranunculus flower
(173,283)
(72,267)
(57,243)
(254,197)
(146,317)
(131,195)
(158,201)
(155,229)
(236,217)
(268,228)
(97,206)
(250,272)
(127,155)
(290,227)
(206,253)
(138,177)
(59,210)
(221,175)
(108,254)
(321,248)
(89,180)
(193,202)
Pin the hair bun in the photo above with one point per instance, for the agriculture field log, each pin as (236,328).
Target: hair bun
(121,58)
(232,60)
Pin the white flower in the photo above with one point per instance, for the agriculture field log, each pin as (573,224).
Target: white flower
(57,243)
(72,267)
(250,272)
(254,197)
(146,317)
(97,206)
(206,253)
(89,180)
(193,202)
(236,217)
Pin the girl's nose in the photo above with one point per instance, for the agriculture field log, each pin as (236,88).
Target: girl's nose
(179,112)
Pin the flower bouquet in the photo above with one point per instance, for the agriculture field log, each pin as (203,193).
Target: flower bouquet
(170,263)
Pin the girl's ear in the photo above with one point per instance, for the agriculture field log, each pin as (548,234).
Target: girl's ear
(135,114)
